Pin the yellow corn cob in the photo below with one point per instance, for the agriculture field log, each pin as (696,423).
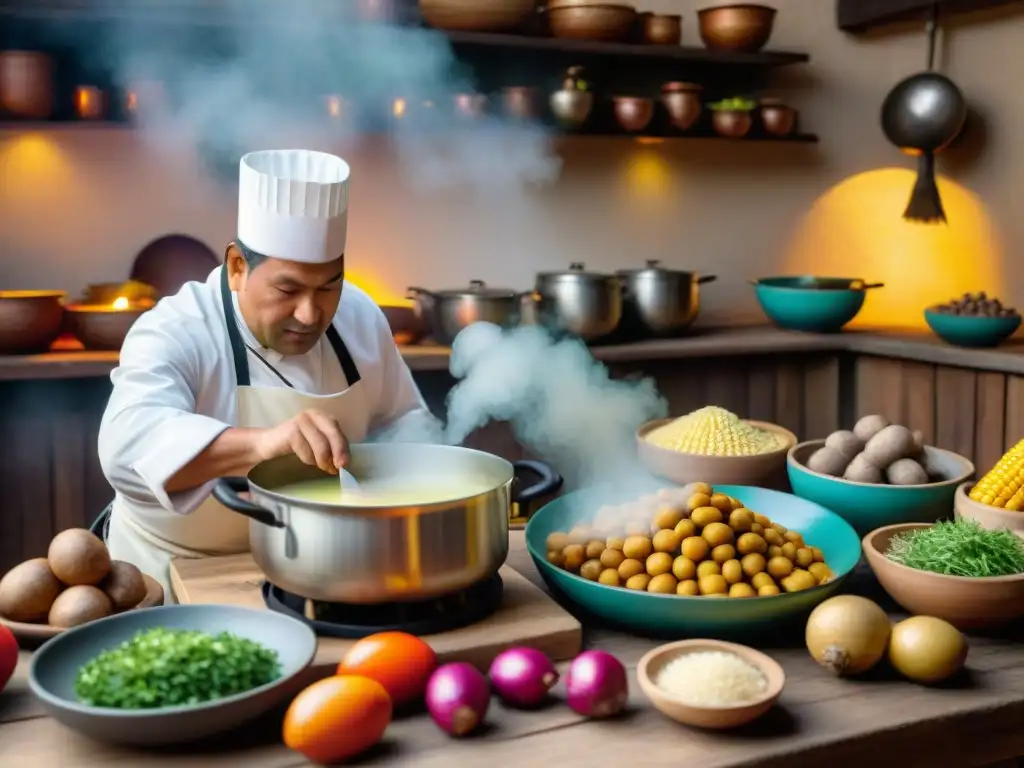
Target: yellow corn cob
(1003,486)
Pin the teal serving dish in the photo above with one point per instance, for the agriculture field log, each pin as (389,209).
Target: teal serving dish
(675,615)
(970,330)
(811,304)
(866,506)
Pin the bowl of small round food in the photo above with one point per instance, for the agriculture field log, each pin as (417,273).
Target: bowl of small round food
(709,683)
(974,320)
(713,445)
(877,474)
(656,563)
(172,674)
(956,571)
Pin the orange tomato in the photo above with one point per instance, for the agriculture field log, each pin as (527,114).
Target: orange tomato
(337,718)
(401,662)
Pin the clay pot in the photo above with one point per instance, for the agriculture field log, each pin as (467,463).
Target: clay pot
(633,113)
(732,123)
(519,102)
(682,102)
(26,84)
(662,29)
(778,119)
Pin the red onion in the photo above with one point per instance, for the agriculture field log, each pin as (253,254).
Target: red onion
(522,676)
(457,698)
(596,684)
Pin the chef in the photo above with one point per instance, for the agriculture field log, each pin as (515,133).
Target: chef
(274,354)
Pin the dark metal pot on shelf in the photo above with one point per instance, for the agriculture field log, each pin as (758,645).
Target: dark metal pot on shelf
(659,301)
(382,554)
(448,312)
(585,304)
(30,321)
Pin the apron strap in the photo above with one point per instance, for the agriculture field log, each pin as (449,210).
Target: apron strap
(348,365)
(234,335)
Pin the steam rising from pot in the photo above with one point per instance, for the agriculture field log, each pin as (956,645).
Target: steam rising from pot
(313,74)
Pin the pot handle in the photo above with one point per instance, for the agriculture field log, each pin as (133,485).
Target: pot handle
(866,286)
(226,492)
(550,481)
(706,279)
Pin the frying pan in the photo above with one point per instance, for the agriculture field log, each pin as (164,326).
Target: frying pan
(169,262)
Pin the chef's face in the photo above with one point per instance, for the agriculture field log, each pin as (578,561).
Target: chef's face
(286,305)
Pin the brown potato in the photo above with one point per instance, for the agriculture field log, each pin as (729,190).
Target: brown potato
(760,580)
(685,529)
(741,589)
(753,564)
(575,556)
(683,568)
(741,520)
(708,568)
(663,584)
(732,571)
(630,568)
(591,569)
(612,558)
(820,572)
(819,556)
(794,537)
(695,548)
(789,550)
(666,540)
(637,547)
(667,517)
(780,528)
(717,533)
(763,520)
(751,542)
(124,585)
(28,590)
(721,502)
(78,557)
(610,577)
(774,551)
(798,581)
(638,582)
(658,563)
(702,516)
(773,537)
(767,590)
(558,541)
(78,605)
(594,549)
(723,552)
(704,488)
(556,558)
(804,557)
(688,588)
(615,542)
(779,567)
(713,584)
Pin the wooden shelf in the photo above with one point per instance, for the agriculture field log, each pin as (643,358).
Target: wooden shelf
(858,16)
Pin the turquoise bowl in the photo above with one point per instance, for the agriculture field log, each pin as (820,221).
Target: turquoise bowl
(813,304)
(866,506)
(677,616)
(971,331)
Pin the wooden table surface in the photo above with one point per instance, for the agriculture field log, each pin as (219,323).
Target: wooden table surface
(819,721)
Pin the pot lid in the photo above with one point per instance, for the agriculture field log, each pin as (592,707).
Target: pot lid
(577,271)
(475,289)
(652,265)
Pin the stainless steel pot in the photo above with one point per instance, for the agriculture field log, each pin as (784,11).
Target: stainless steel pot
(659,301)
(448,312)
(348,554)
(586,304)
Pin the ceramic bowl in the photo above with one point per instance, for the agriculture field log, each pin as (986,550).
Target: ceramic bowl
(966,603)
(30,321)
(721,717)
(811,304)
(971,331)
(988,517)
(54,667)
(866,506)
(686,468)
(742,27)
(676,615)
(100,327)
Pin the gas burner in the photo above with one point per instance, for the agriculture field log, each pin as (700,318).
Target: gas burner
(425,617)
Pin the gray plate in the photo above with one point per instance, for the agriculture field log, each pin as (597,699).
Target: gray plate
(54,667)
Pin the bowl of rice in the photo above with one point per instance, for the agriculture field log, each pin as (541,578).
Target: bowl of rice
(709,683)
(712,445)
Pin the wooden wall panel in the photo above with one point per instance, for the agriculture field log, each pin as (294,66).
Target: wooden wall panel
(989,419)
(955,396)
(1014,429)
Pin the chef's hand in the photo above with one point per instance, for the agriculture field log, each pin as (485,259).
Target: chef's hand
(314,436)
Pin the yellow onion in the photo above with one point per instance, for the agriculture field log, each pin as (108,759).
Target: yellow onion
(848,634)
(927,650)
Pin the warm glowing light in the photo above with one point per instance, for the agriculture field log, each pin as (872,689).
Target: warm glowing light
(32,162)
(120,303)
(89,102)
(379,289)
(131,102)
(398,108)
(333,106)
(648,175)
(856,229)
(648,141)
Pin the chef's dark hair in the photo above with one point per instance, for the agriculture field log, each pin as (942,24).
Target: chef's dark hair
(252,259)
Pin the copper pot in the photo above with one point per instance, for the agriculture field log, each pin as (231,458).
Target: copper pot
(732,123)
(406,326)
(102,327)
(633,113)
(478,15)
(580,20)
(471,105)
(26,84)
(519,102)
(682,102)
(741,28)
(663,29)
(778,118)
(30,321)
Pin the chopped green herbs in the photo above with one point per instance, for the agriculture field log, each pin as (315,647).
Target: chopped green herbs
(174,667)
(961,548)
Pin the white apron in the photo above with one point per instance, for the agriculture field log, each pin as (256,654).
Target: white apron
(150,538)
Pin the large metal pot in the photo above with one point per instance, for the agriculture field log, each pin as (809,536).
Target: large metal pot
(659,301)
(586,304)
(448,312)
(348,554)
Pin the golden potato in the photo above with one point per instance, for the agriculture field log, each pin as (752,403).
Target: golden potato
(683,568)
(721,502)
(761,579)
(658,563)
(723,552)
(757,528)
(558,541)
(741,589)
(630,568)
(713,584)
(763,520)
(708,568)
(820,572)
(638,582)
(556,558)
(779,567)
(741,520)
(804,557)
(702,516)
(794,537)
(594,549)
(773,537)
(685,529)
(615,542)
(767,590)
(751,542)
(612,558)
(666,540)
(688,588)
(695,548)
(753,564)
(732,571)
(717,533)
(637,547)
(662,584)
(575,556)
(819,556)
(667,517)
(789,550)
(798,581)
(774,551)
(610,577)
(591,569)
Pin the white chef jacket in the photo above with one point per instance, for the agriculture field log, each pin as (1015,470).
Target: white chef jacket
(174,387)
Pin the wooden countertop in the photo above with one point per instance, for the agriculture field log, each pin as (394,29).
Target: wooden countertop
(820,720)
(720,342)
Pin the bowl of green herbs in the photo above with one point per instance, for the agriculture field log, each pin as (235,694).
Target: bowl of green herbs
(956,571)
(169,675)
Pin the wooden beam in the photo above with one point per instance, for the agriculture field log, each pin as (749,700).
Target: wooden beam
(857,16)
